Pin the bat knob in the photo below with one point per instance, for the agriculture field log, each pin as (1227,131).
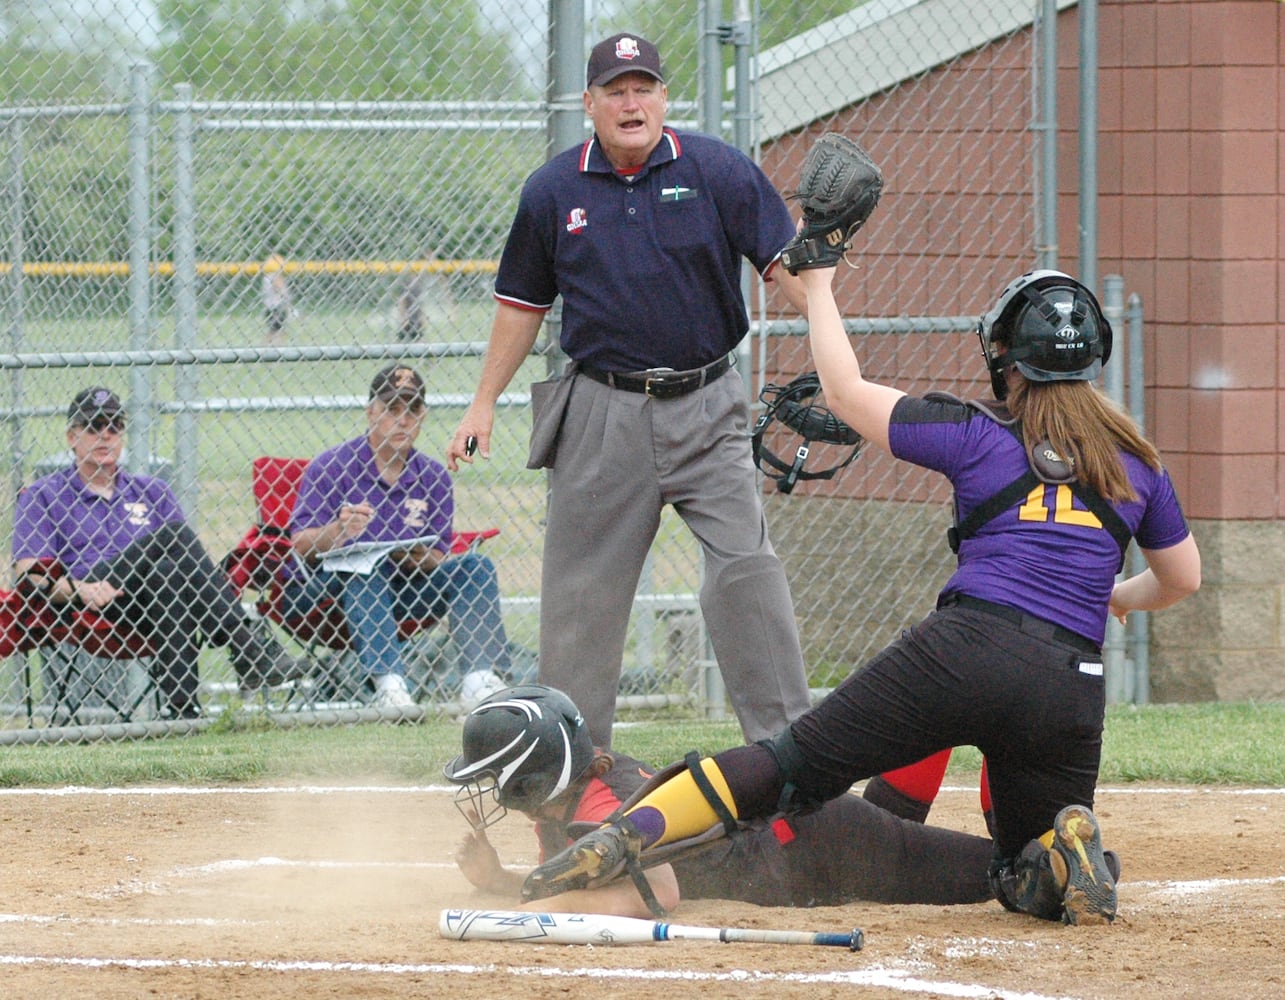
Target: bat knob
(857,941)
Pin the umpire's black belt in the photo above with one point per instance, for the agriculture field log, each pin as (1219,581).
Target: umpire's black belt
(1029,624)
(661,383)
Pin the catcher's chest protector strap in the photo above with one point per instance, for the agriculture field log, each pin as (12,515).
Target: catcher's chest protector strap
(1046,466)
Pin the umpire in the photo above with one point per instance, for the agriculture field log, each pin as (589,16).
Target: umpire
(641,231)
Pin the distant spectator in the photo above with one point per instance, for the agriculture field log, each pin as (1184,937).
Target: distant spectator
(276,298)
(410,306)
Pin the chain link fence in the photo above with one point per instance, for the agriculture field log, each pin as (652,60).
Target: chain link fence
(233,214)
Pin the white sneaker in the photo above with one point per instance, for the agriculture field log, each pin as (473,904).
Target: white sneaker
(479,685)
(391,692)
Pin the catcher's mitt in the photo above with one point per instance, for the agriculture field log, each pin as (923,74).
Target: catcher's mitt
(839,188)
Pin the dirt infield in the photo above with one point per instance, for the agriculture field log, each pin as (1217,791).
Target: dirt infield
(336,892)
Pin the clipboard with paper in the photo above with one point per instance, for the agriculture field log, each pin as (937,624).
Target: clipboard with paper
(362,557)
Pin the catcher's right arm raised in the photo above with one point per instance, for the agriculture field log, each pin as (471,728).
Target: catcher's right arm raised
(838,189)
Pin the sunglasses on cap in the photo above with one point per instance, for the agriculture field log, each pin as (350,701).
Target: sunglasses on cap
(105,425)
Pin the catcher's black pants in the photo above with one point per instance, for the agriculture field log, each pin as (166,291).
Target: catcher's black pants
(960,677)
(177,598)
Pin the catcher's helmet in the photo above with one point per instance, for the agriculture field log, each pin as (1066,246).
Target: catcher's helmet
(523,746)
(1051,327)
(795,406)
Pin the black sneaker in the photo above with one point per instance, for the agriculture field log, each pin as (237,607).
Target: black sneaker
(1090,896)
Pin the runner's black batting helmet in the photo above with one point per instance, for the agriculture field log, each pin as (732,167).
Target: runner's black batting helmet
(1051,328)
(795,405)
(523,747)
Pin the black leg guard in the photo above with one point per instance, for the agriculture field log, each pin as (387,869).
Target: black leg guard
(790,762)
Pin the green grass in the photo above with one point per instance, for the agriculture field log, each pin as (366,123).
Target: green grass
(1236,744)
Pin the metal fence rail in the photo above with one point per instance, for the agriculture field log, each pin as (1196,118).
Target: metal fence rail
(146,204)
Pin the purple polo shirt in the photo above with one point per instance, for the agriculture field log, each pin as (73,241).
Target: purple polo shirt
(421,502)
(59,516)
(648,266)
(1046,555)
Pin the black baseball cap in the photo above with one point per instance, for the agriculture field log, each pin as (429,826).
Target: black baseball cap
(397,382)
(92,403)
(620,54)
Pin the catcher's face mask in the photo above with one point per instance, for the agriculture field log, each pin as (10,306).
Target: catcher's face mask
(795,405)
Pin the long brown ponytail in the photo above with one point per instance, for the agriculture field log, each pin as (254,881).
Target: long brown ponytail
(1085,426)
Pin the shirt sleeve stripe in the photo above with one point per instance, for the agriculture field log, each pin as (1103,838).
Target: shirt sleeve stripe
(509,300)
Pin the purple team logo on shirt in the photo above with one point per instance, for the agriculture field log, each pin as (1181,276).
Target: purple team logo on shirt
(415,513)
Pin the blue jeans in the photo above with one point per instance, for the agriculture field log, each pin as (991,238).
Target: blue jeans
(463,588)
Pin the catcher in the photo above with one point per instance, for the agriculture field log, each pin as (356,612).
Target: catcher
(528,749)
(1051,483)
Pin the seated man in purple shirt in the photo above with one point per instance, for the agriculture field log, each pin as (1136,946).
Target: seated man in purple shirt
(378,488)
(128,554)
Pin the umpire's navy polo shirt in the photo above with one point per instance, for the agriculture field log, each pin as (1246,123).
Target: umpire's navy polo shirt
(648,266)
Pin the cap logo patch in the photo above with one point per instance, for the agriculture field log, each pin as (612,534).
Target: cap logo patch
(627,48)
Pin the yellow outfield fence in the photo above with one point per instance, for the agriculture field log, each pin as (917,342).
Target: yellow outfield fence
(233,269)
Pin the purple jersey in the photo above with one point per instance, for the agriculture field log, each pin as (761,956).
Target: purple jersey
(1046,555)
(58,516)
(648,266)
(421,502)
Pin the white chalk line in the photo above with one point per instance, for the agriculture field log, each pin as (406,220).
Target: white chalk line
(67,919)
(1205,886)
(71,790)
(872,976)
(155,887)
(246,864)
(1188,889)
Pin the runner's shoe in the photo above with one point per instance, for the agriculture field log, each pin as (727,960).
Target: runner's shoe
(594,859)
(1090,896)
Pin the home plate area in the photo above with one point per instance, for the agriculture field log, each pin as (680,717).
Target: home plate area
(271,892)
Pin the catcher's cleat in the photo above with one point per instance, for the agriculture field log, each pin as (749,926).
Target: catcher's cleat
(593,860)
(1090,896)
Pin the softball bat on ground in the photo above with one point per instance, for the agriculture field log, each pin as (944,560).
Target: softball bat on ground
(593,928)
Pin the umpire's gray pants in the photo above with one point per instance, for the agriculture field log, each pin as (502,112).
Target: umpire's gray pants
(621,457)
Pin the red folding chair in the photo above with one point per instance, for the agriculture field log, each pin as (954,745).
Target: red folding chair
(255,565)
(70,646)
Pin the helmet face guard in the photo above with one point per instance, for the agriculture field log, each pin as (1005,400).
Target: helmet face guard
(478,802)
(796,407)
(1051,328)
(523,747)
